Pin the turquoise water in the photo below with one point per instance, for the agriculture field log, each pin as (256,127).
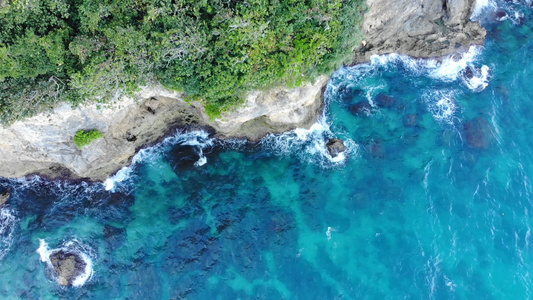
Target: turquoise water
(431,201)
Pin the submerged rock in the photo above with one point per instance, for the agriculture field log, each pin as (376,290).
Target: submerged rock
(68,266)
(478,132)
(4,196)
(383,100)
(335,147)
(410,120)
(184,156)
(359,108)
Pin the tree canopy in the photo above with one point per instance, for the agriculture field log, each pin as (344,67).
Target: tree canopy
(215,51)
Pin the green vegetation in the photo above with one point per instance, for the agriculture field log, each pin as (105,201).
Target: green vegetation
(84,138)
(212,50)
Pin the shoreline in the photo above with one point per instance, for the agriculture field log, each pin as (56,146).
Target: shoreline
(43,146)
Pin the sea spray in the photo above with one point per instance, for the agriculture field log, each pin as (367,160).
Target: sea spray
(442,105)
(198,138)
(7,227)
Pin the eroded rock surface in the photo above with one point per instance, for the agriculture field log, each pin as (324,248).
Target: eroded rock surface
(44,144)
(68,266)
(335,147)
(431,28)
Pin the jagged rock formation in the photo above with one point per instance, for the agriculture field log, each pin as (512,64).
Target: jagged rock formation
(418,28)
(67,266)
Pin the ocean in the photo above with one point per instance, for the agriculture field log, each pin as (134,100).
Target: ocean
(431,200)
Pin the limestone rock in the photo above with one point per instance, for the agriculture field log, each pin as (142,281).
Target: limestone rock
(431,28)
(44,144)
(68,266)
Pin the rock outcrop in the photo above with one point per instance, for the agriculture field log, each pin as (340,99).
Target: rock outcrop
(4,196)
(68,266)
(418,28)
(44,144)
(335,147)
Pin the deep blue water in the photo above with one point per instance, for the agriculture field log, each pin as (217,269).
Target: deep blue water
(431,201)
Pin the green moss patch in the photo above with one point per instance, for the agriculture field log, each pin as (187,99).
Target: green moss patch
(84,138)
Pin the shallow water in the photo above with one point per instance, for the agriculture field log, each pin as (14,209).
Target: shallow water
(431,200)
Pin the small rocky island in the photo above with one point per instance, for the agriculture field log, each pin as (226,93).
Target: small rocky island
(67,266)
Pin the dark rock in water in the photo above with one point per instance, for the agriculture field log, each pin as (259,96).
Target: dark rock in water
(114,236)
(478,132)
(375,149)
(500,15)
(383,100)
(410,120)
(184,156)
(4,196)
(359,108)
(68,266)
(335,147)
(348,93)
(468,73)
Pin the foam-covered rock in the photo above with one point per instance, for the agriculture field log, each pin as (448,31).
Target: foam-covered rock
(68,266)
(335,147)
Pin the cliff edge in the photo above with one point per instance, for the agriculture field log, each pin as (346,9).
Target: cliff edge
(44,144)
(425,29)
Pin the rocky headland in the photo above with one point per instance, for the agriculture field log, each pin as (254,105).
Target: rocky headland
(44,144)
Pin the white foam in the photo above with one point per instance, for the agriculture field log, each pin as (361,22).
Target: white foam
(441,105)
(201,161)
(198,138)
(308,144)
(328,232)
(480,80)
(480,7)
(71,246)
(7,227)
(447,69)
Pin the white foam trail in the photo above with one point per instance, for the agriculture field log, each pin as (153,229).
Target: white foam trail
(447,69)
(441,105)
(7,226)
(71,246)
(198,138)
(308,144)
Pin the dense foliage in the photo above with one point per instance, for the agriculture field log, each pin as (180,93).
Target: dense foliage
(84,138)
(212,50)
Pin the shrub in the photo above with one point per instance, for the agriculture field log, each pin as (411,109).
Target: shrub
(84,138)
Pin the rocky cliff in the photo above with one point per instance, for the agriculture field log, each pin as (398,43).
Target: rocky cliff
(44,144)
(428,28)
